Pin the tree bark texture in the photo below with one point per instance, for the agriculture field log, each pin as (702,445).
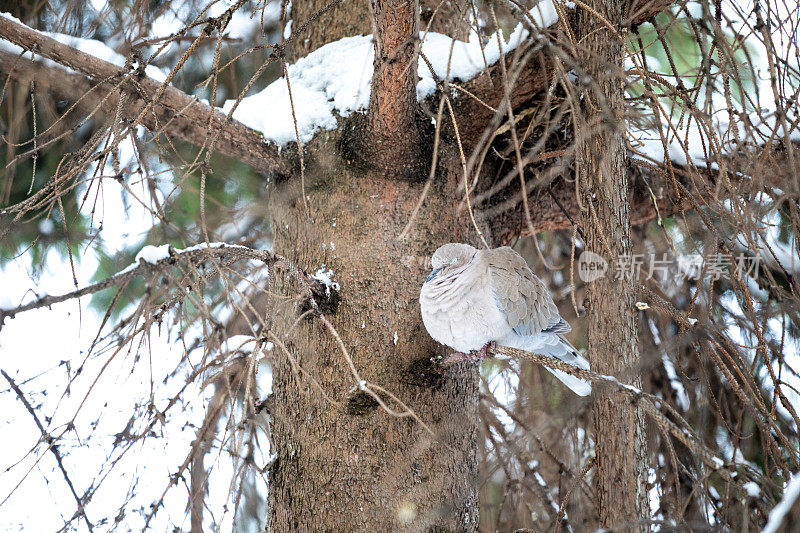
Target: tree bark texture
(343,20)
(353,18)
(354,467)
(621,474)
(393,98)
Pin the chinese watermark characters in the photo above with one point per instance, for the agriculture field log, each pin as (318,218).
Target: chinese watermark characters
(637,267)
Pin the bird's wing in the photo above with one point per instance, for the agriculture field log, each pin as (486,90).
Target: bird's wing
(521,296)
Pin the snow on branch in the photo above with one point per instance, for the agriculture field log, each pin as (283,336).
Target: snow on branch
(334,80)
(155,259)
(791,495)
(91,47)
(156,105)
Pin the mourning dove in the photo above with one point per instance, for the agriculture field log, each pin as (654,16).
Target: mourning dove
(475,297)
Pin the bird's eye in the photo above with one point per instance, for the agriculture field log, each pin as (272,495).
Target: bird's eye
(453,261)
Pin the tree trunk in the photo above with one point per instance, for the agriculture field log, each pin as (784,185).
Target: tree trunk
(391,119)
(342,20)
(354,467)
(353,18)
(621,473)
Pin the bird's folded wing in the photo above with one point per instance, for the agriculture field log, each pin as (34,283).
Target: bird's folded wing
(521,296)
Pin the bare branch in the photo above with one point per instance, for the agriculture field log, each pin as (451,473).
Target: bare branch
(51,445)
(651,404)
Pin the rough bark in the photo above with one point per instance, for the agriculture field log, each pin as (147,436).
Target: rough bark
(354,467)
(353,18)
(391,117)
(620,446)
(343,20)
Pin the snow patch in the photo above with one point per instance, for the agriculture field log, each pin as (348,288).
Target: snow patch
(238,343)
(335,77)
(326,278)
(752,489)
(334,80)
(152,254)
(778,513)
(87,46)
(205,246)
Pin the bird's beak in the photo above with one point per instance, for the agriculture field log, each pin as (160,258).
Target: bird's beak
(432,274)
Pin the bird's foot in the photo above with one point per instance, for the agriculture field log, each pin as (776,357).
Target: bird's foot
(476,356)
(489,346)
(473,356)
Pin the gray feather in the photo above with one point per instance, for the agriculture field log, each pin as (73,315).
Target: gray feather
(521,296)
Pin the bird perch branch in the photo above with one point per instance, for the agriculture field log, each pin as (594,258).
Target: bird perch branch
(652,405)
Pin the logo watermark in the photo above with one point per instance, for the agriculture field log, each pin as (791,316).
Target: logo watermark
(637,267)
(591,266)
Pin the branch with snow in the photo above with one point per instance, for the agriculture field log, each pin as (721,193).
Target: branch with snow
(153,259)
(158,106)
(791,496)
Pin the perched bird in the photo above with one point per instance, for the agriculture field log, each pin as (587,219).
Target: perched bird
(475,297)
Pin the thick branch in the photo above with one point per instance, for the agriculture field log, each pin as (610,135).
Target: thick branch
(173,112)
(603,179)
(534,77)
(652,195)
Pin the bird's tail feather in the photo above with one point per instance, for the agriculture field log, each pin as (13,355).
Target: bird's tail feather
(564,351)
